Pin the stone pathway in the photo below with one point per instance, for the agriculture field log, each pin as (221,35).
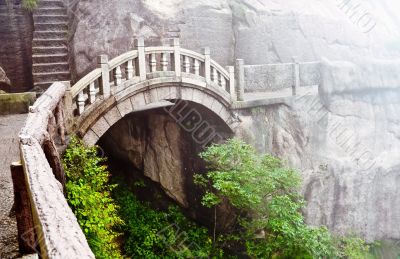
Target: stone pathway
(9,152)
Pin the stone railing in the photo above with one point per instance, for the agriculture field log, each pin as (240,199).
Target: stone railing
(146,63)
(275,77)
(51,228)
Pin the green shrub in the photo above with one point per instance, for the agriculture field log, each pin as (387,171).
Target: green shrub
(151,233)
(29,4)
(266,196)
(88,194)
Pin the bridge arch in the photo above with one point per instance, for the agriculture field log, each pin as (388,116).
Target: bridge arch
(92,125)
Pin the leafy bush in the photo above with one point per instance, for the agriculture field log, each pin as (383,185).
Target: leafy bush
(265,195)
(29,4)
(160,234)
(88,194)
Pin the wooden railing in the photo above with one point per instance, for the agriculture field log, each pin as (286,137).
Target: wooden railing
(145,63)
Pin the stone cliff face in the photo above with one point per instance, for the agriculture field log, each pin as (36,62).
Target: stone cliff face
(265,31)
(154,143)
(16,27)
(346,141)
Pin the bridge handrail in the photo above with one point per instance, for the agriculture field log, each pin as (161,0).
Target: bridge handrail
(121,59)
(85,81)
(55,226)
(135,64)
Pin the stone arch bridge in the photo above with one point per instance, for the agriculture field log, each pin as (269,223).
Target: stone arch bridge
(144,78)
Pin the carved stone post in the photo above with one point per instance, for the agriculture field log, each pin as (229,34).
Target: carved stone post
(239,78)
(296,76)
(139,44)
(232,90)
(68,106)
(26,230)
(105,89)
(207,65)
(177,57)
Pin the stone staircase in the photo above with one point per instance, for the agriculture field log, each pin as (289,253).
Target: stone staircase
(50,44)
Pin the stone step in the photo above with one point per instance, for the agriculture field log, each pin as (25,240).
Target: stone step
(50,3)
(49,43)
(50,67)
(50,58)
(50,18)
(51,76)
(49,50)
(50,34)
(62,26)
(50,11)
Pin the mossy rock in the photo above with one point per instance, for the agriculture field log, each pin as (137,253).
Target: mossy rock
(16,103)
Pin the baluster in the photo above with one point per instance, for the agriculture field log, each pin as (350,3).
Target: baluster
(92,93)
(153,62)
(186,64)
(129,69)
(222,81)
(196,67)
(117,76)
(81,102)
(214,75)
(164,61)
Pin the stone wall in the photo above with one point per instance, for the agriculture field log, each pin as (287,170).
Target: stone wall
(274,77)
(16,30)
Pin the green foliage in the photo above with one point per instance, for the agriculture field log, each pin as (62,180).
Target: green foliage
(352,247)
(29,4)
(88,194)
(160,234)
(265,194)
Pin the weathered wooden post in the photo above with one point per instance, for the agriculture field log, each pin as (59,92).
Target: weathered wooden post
(232,90)
(23,211)
(105,89)
(177,57)
(139,44)
(239,79)
(207,65)
(296,76)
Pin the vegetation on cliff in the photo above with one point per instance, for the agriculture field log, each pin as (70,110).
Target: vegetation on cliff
(261,191)
(29,4)
(267,203)
(89,196)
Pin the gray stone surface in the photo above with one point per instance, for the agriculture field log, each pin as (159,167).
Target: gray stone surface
(260,32)
(16,30)
(346,141)
(342,194)
(3,78)
(9,152)
(268,78)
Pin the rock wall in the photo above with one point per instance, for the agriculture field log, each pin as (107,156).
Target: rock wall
(154,143)
(320,135)
(346,141)
(16,30)
(265,31)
